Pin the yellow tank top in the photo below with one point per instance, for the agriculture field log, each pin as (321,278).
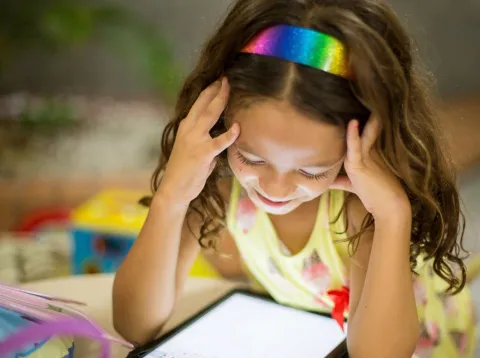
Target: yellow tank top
(301,280)
(448,324)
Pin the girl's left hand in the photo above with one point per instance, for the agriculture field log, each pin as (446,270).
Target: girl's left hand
(367,175)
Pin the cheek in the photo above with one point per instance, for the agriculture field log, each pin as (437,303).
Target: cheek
(313,188)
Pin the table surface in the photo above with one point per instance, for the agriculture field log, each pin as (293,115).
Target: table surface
(96,292)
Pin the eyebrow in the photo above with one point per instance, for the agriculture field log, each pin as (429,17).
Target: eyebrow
(247,149)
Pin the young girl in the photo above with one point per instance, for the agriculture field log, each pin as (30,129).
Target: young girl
(313,160)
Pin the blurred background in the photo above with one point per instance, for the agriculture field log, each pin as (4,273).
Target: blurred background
(87,86)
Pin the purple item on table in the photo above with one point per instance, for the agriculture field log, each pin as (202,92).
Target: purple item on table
(28,320)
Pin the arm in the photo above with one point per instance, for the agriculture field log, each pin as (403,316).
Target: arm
(460,120)
(147,283)
(145,293)
(383,320)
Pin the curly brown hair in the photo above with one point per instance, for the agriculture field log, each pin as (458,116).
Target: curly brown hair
(388,83)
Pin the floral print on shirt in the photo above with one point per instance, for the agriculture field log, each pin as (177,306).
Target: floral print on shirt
(461,341)
(316,274)
(429,339)
(420,292)
(246,214)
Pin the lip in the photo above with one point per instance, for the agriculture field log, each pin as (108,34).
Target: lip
(274,204)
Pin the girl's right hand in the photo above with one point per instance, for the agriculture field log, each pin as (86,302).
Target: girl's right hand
(194,152)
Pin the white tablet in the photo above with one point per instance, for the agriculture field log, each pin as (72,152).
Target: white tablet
(243,324)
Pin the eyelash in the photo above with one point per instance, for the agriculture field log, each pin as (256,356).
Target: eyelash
(246,161)
(317,177)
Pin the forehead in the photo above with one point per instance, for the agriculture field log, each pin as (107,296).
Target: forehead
(273,127)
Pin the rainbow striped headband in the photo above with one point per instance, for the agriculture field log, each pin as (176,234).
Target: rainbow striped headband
(304,46)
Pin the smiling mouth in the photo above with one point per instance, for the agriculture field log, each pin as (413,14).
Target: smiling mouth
(272,203)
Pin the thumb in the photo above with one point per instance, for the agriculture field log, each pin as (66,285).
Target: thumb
(225,140)
(342,182)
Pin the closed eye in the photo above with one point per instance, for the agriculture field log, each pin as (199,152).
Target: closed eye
(247,161)
(317,177)
(307,175)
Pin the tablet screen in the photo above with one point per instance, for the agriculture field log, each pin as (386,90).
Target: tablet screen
(247,326)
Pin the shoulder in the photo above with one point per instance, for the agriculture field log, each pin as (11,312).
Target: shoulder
(355,212)
(356,216)
(227,257)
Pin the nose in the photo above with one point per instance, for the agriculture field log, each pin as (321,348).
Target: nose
(276,186)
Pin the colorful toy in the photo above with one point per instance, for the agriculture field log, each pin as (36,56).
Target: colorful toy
(44,219)
(104,229)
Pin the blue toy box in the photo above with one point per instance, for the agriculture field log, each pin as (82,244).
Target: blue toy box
(104,229)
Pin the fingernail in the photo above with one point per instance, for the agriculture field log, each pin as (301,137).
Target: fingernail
(225,82)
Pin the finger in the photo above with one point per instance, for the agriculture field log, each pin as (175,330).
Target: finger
(215,108)
(342,182)
(213,165)
(354,145)
(225,140)
(202,102)
(370,134)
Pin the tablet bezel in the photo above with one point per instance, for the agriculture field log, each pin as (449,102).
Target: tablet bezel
(339,352)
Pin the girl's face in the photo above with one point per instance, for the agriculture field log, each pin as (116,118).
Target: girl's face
(283,158)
